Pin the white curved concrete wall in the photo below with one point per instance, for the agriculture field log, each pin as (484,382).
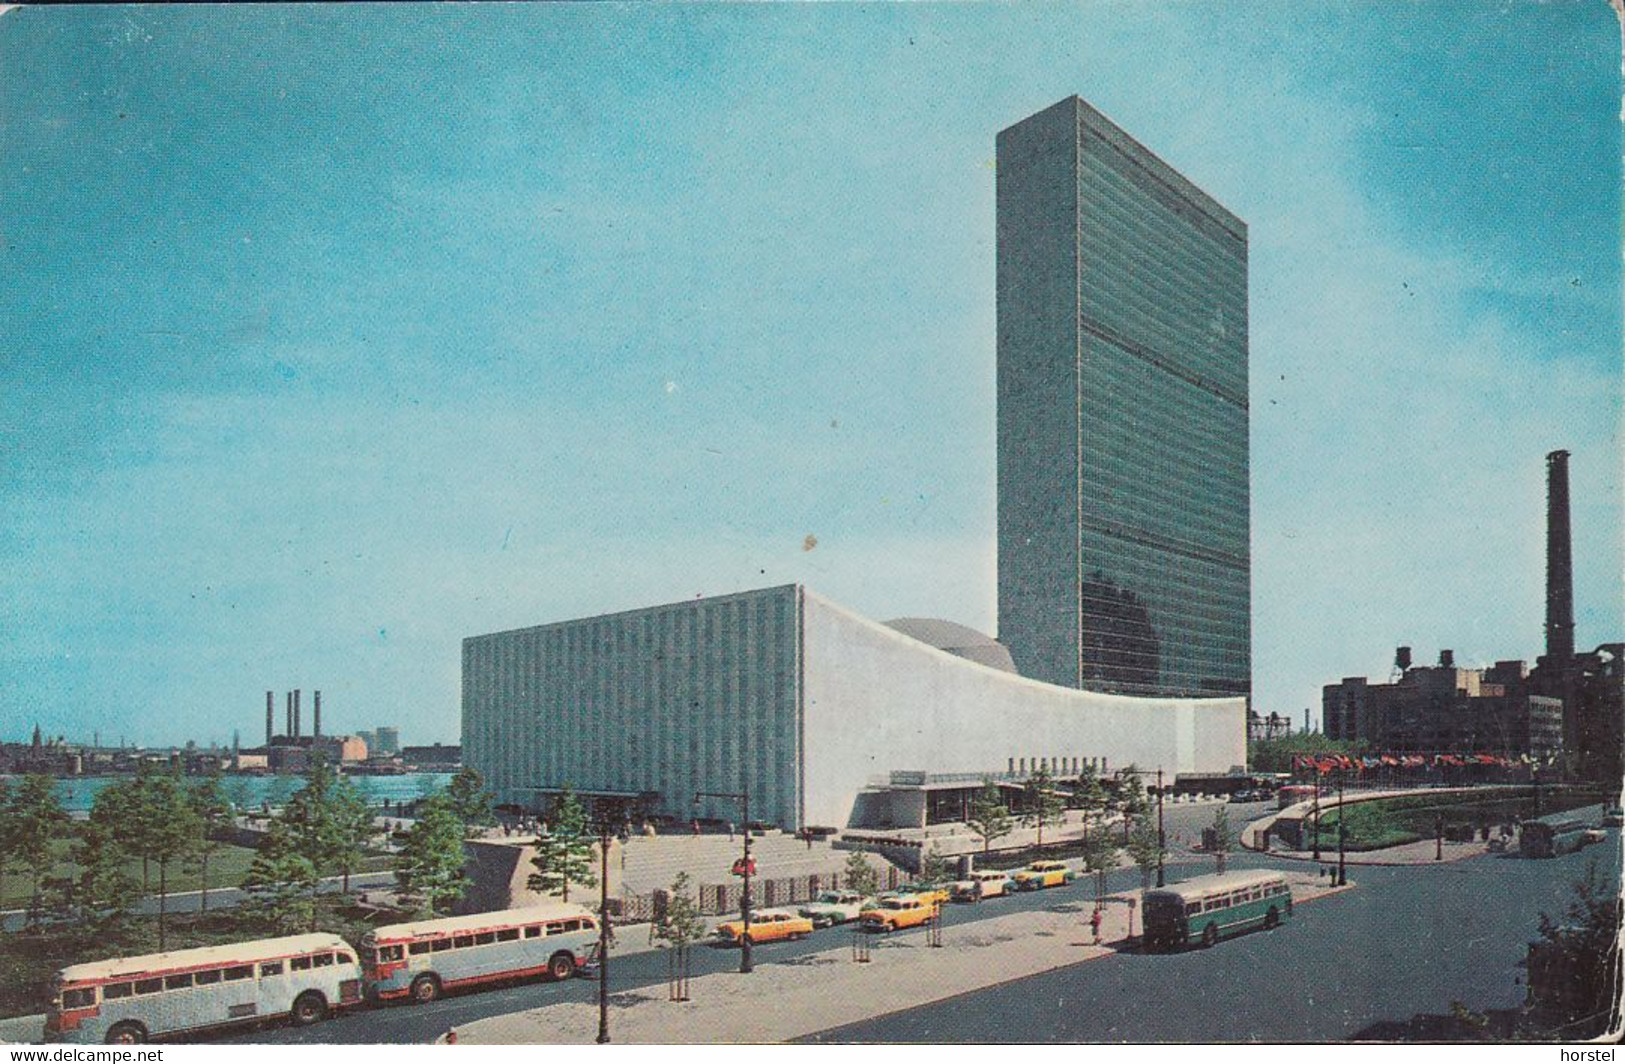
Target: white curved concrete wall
(875,700)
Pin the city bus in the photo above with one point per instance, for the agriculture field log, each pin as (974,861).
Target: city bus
(1553,836)
(132,999)
(423,959)
(1203,909)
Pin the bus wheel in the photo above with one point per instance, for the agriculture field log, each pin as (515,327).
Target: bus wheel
(1210,936)
(425,988)
(561,967)
(309,1008)
(126,1033)
(1272,919)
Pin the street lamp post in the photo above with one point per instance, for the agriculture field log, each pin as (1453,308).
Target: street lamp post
(1162,837)
(743,798)
(1317,813)
(1342,872)
(605,932)
(1438,836)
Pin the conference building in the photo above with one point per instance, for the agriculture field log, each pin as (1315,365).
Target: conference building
(1123,581)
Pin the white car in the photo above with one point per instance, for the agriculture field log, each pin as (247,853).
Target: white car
(833,907)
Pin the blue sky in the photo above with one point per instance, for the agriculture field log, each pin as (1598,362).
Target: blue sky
(336,334)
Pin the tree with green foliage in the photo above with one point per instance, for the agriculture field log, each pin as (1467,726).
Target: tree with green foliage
(1100,857)
(1224,837)
(5,832)
(104,894)
(565,849)
(34,820)
(353,828)
(329,822)
(214,817)
(934,867)
(1042,805)
(171,830)
(282,882)
(1131,799)
(470,800)
(1145,847)
(859,875)
(1090,797)
(989,816)
(1575,965)
(429,867)
(679,926)
(1275,755)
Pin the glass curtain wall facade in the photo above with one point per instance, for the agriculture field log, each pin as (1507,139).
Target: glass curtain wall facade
(1122,416)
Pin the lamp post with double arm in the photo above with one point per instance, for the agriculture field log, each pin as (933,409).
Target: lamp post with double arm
(743,798)
(1162,837)
(611,817)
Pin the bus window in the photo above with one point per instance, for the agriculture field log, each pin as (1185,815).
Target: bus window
(115,991)
(442,944)
(299,964)
(508,934)
(1192,908)
(418,948)
(270,968)
(485,938)
(559,928)
(178,982)
(393,953)
(533,931)
(208,978)
(462,941)
(322,960)
(79,999)
(345,958)
(148,986)
(242,971)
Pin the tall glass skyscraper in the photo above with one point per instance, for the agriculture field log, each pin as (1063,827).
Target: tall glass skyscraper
(1122,410)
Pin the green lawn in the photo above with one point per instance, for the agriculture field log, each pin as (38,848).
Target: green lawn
(227,867)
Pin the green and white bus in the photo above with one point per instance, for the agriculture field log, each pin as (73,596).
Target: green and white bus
(1204,909)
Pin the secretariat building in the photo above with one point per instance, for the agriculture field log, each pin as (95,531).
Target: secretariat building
(1122,415)
(1122,554)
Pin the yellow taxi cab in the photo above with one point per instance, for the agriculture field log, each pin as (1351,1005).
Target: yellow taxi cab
(768,925)
(893,914)
(1041,874)
(931,893)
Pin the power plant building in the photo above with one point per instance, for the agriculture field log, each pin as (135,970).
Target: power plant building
(1123,524)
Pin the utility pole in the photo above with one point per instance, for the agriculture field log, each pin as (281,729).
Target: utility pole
(1316,812)
(1342,872)
(743,798)
(1162,837)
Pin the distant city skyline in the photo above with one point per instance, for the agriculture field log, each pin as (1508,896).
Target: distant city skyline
(334,338)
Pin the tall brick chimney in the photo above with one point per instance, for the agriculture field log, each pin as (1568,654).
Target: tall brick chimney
(1559,561)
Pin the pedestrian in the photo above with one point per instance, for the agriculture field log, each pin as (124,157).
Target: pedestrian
(730,831)
(696,825)
(1094,924)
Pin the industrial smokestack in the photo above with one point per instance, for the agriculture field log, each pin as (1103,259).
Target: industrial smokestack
(1559,561)
(270,717)
(316,715)
(296,712)
(287,727)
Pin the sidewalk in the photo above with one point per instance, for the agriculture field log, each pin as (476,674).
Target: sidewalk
(811,993)
(1420,852)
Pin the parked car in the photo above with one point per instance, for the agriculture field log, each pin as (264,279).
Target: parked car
(1613,817)
(768,925)
(985,883)
(931,893)
(833,907)
(893,914)
(1041,874)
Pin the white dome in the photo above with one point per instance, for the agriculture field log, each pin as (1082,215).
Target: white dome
(956,639)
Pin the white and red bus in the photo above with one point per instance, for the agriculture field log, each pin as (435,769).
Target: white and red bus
(422,960)
(133,999)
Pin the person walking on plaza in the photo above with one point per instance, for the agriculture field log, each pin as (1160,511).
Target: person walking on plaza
(1094,924)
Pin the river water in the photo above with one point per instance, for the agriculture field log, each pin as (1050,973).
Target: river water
(250,792)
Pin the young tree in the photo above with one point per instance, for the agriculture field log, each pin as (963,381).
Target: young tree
(1100,857)
(35,821)
(353,828)
(1131,799)
(213,815)
(6,828)
(989,816)
(1146,850)
(1089,796)
(471,801)
(429,866)
(104,893)
(1043,805)
(1224,837)
(859,875)
(171,830)
(679,927)
(1575,966)
(281,883)
(934,867)
(565,850)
